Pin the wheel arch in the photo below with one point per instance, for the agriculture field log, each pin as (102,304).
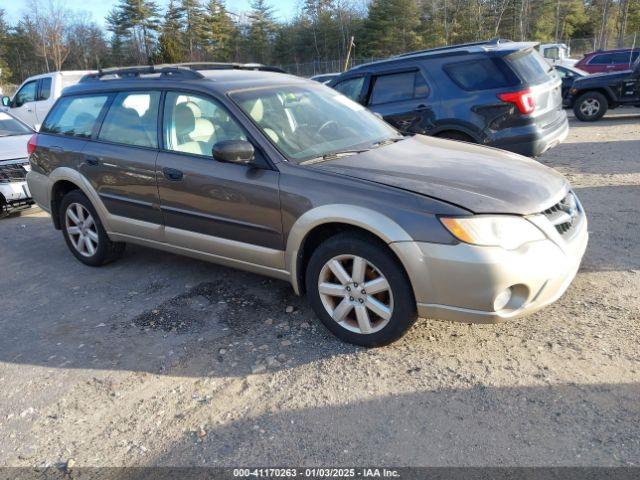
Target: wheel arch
(322,222)
(63,180)
(608,94)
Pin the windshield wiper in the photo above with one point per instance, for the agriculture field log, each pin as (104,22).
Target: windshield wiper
(333,156)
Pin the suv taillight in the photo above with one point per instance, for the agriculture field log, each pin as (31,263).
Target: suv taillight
(32,144)
(522,99)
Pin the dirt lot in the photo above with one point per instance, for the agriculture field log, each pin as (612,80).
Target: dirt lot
(163,360)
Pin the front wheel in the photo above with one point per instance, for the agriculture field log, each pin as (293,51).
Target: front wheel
(84,233)
(359,291)
(590,106)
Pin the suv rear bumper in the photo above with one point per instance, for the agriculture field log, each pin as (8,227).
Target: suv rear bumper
(531,140)
(461,282)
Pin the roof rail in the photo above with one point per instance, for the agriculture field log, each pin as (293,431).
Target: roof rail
(493,41)
(165,71)
(224,66)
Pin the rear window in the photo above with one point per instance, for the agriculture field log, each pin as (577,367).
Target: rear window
(397,87)
(481,74)
(529,66)
(602,59)
(74,116)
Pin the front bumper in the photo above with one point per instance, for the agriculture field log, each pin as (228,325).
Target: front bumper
(14,196)
(461,282)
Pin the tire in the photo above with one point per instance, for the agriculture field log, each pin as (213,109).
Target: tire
(104,250)
(454,135)
(590,106)
(396,302)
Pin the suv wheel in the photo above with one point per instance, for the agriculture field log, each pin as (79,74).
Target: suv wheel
(359,291)
(83,232)
(590,106)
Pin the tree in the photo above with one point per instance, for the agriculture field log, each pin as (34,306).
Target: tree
(140,20)
(391,27)
(170,43)
(261,32)
(218,31)
(192,19)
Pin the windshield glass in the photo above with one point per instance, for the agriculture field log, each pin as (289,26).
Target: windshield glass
(308,122)
(10,126)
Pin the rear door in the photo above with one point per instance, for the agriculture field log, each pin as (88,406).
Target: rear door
(404,99)
(120,162)
(225,209)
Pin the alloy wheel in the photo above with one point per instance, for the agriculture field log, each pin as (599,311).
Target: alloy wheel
(590,107)
(355,294)
(82,229)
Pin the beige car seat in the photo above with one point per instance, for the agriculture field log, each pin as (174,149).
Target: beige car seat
(184,123)
(203,130)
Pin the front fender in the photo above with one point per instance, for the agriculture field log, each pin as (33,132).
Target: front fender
(374,222)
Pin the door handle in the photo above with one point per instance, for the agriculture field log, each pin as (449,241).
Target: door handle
(422,108)
(172,174)
(91,160)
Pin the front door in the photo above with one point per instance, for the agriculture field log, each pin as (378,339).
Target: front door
(23,105)
(224,209)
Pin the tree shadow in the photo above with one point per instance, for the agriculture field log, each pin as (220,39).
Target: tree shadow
(554,425)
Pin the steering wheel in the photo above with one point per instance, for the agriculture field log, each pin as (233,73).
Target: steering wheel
(326,125)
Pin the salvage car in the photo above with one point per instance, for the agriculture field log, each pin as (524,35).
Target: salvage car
(591,96)
(286,177)
(14,165)
(496,93)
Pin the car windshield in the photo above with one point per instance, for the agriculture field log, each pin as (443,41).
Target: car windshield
(309,122)
(9,126)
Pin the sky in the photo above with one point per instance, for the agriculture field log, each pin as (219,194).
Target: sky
(283,9)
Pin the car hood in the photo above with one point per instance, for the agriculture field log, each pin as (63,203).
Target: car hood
(14,147)
(479,179)
(598,78)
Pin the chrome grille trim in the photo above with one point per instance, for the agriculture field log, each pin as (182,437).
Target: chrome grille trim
(565,215)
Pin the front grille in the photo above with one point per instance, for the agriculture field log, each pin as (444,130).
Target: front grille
(12,173)
(565,214)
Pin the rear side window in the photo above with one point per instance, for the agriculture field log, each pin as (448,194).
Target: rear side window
(602,59)
(132,119)
(397,87)
(481,74)
(45,89)
(529,66)
(350,88)
(74,116)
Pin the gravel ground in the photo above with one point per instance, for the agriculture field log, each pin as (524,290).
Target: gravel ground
(163,360)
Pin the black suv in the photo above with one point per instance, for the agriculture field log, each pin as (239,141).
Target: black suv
(496,93)
(592,95)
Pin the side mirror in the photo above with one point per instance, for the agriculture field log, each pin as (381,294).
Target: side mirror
(6,101)
(233,151)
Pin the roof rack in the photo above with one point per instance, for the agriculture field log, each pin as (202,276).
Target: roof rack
(493,41)
(164,71)
(225,66)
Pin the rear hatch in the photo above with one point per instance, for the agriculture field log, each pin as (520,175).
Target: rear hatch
(544,85)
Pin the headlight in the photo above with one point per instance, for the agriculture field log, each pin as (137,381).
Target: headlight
(506,231)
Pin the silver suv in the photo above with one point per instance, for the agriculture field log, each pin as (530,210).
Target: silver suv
(286,177)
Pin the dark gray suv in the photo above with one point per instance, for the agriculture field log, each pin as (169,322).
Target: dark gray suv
(288,178)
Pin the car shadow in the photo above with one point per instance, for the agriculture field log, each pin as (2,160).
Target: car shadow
(550,425)
(623,116)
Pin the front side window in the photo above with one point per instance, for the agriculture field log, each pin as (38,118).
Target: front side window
(397,87)
(194,124)
(622,57)
(74,116)
(45,89)
(311,121)
(26,94)
(132,119)
(351,88)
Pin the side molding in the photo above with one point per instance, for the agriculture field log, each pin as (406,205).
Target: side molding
(367,219)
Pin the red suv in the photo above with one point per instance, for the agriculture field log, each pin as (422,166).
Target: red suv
(608,60)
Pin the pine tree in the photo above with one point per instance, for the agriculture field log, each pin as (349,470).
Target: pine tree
(261,32)
(192,20)
(218,31)
(392,27)
(170,44)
